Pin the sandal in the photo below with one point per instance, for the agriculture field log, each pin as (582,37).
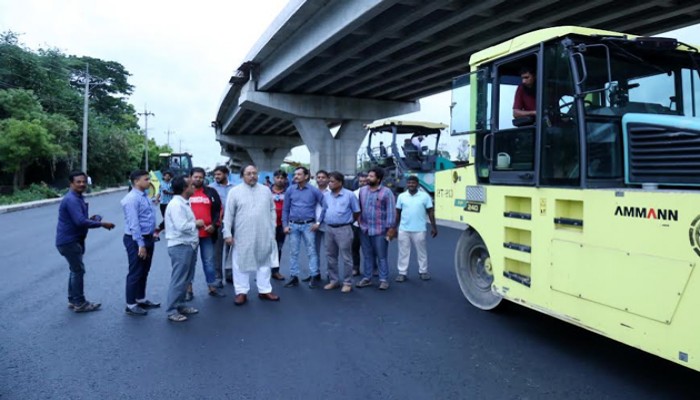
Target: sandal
(177,317)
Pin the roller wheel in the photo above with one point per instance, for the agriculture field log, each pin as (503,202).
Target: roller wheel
(474,273)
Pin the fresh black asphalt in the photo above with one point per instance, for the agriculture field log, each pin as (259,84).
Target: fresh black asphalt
(418,340)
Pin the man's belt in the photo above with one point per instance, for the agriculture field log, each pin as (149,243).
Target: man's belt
(339,225)
(308,221)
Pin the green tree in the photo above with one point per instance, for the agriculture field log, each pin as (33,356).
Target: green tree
(27,133)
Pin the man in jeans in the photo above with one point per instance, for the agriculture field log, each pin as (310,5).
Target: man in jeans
(377,225)
(182,232)
(206,205)
(299,220)
(278,189)
(341,209)
(411,209)
(71,231)
(221,250)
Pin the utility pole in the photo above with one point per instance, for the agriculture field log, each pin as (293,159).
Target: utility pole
(180,151)
(83,160)
(146,114)
(83,163)
(168,133)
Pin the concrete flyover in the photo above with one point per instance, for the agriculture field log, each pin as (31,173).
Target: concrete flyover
(338,63)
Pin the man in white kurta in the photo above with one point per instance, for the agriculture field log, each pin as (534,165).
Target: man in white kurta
(250,214)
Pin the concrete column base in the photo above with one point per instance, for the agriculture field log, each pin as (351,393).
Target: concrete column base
(268,159)
(331,153)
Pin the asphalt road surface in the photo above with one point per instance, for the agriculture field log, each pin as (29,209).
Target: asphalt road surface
(418,340)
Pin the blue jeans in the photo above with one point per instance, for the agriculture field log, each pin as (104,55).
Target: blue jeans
(374,250)
(206,251)
(73,252)
(138,269)
(299,232)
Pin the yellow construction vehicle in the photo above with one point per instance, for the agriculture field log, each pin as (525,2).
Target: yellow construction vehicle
(588,209)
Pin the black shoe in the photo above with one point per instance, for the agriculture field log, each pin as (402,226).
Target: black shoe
(277,276)
(146,304)
(293,281)
(315,281)
(216,293)
(308,278)
(137,311)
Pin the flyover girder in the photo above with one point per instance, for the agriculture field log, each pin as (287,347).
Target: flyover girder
(390,51)
(371,36)
(478,30)
(334,21)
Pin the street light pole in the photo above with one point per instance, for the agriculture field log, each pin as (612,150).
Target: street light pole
(83,163)
(146,114)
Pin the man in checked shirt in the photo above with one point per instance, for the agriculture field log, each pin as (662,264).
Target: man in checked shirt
(377,226)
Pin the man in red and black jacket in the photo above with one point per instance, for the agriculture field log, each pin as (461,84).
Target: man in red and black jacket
(206,205)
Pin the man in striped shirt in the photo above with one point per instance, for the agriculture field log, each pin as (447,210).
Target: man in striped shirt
(377,224)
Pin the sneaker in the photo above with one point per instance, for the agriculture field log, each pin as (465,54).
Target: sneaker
(364,282)
(383,285)
(425,276)
(188,310)
(177,317)
(218,284)
(401,278)
(346,288)
(189,296)
(331,285)
(86,307)
(146,304)
(136,310)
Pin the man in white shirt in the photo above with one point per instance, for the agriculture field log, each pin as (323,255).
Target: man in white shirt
(182,232)
(417,142)
(412,207)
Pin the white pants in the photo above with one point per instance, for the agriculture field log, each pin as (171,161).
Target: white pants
(241,280)
(418,240)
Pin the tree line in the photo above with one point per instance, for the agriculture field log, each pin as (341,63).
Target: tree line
(41,117)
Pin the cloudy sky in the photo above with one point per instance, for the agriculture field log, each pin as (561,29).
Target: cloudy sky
(180,55)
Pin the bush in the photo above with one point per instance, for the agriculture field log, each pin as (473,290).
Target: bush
(33,192)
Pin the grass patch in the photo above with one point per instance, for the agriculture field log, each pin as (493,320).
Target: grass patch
(33,192)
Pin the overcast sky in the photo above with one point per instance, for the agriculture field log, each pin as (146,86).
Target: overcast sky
(180,55)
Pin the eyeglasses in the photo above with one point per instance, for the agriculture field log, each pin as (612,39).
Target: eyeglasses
(251,174)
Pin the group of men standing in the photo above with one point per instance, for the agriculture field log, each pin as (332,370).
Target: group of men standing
(244,227)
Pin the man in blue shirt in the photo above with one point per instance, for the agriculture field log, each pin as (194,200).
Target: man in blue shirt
(341,208)
(165,194)
(71,231)
(139,225)
(411,209)
(299,221)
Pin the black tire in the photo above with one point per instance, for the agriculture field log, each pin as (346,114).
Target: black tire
(474,273)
